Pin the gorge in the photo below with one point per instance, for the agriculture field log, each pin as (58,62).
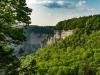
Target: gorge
(37,37)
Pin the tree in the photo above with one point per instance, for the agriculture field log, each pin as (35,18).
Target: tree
(12,12)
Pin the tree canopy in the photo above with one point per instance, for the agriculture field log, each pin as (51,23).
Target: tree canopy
(78,54)
(12,12)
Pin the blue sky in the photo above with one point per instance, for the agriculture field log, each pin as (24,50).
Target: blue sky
(49,12)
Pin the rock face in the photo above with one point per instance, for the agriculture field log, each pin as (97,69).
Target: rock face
(37,38)
(59,35)
(65,34)
(12,45)
(34,41)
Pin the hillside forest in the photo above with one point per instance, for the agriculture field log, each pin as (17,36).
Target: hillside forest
(77,54)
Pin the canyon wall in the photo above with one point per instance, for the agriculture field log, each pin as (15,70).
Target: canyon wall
(59,35)
(36,39)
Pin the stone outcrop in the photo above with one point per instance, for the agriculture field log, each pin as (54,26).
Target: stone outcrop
(59,35)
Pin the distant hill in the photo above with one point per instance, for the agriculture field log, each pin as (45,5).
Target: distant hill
(41,29)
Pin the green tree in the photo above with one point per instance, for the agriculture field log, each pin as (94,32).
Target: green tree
(12,12)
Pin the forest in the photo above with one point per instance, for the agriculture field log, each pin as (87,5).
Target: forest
(77,54)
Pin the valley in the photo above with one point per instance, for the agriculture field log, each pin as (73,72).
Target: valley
(49,37)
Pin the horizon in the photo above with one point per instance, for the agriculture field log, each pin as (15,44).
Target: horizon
(50,12)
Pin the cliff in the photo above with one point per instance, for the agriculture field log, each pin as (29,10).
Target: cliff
(37,37)
(62,34)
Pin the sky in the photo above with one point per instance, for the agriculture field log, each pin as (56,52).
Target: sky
(50,12)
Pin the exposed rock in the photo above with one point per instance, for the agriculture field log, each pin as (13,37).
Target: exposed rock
(36,39)
(59,35)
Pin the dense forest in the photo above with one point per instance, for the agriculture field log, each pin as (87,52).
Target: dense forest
(41,29)
(77,54)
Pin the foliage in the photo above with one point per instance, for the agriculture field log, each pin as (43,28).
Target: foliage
(78,54)
(18,31)
(12,12)
(88,23)
(28,67)
(41,29)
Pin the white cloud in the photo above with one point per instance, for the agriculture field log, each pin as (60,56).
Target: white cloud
(39,1)
(58,3)
(61,2)
(81,5)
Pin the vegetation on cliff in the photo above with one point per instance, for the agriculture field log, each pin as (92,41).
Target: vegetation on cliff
(78,54)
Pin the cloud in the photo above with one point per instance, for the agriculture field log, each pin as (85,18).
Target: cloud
(39,2)
(67,4)
(60,3)
(81,5)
